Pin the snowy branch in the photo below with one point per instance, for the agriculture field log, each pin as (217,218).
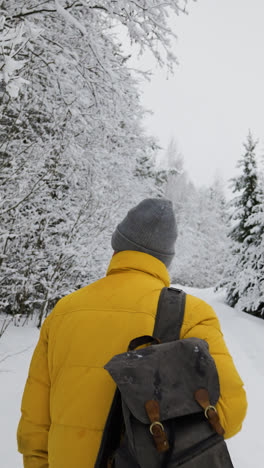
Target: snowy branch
(44,10)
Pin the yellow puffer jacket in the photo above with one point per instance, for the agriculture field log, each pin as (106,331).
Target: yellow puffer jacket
(68,394)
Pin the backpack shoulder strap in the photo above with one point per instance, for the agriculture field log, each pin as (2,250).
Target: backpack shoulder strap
(170,314)
(168,324)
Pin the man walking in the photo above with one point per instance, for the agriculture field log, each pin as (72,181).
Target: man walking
(68,393)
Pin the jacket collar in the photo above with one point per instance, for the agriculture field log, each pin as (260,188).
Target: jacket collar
(132,260)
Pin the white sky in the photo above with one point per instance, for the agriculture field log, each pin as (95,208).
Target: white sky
(217,91)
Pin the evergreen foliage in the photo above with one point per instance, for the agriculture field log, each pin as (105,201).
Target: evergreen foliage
(245,186)
(244,275)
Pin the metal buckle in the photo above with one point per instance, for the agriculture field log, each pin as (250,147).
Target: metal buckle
(156,423)
(208,408)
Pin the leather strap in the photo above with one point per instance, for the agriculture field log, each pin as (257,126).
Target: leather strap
(202,397)
(156,428)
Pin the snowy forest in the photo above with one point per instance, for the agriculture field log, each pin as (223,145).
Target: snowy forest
(75,157)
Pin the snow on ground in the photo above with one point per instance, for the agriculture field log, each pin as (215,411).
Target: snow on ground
(243,335)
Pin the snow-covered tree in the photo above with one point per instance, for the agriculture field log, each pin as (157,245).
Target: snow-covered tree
(243,278)
(250,278)
(169,166)
(202,222)
(245,188)
(201,247)
(147,26)
(71,139)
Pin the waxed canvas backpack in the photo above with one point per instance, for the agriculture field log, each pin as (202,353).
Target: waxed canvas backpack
(163,413)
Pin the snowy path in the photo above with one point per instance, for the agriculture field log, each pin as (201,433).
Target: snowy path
(243,335)
(244,338)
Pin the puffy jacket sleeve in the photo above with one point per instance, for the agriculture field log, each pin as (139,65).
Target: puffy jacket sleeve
(201,321)
(33,429)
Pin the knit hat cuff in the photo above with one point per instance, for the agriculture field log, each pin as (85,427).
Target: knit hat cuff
(121,242)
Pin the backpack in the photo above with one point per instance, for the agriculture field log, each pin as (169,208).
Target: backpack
(163,412)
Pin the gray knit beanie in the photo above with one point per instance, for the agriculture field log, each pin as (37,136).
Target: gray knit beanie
(150,227)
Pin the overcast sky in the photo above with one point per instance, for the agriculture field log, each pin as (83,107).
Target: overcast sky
(217,91)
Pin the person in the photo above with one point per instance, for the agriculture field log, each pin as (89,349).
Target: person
(68,393)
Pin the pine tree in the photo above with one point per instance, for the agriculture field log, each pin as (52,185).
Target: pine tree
(245,234)
(245,186)
(251,277)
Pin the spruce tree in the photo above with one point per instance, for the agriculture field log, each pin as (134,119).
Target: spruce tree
(251,278)
(243,235)
(245,186)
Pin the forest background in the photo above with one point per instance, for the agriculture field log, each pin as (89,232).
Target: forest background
(75,157)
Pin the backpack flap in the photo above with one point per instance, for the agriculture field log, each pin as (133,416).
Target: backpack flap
(169,373)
